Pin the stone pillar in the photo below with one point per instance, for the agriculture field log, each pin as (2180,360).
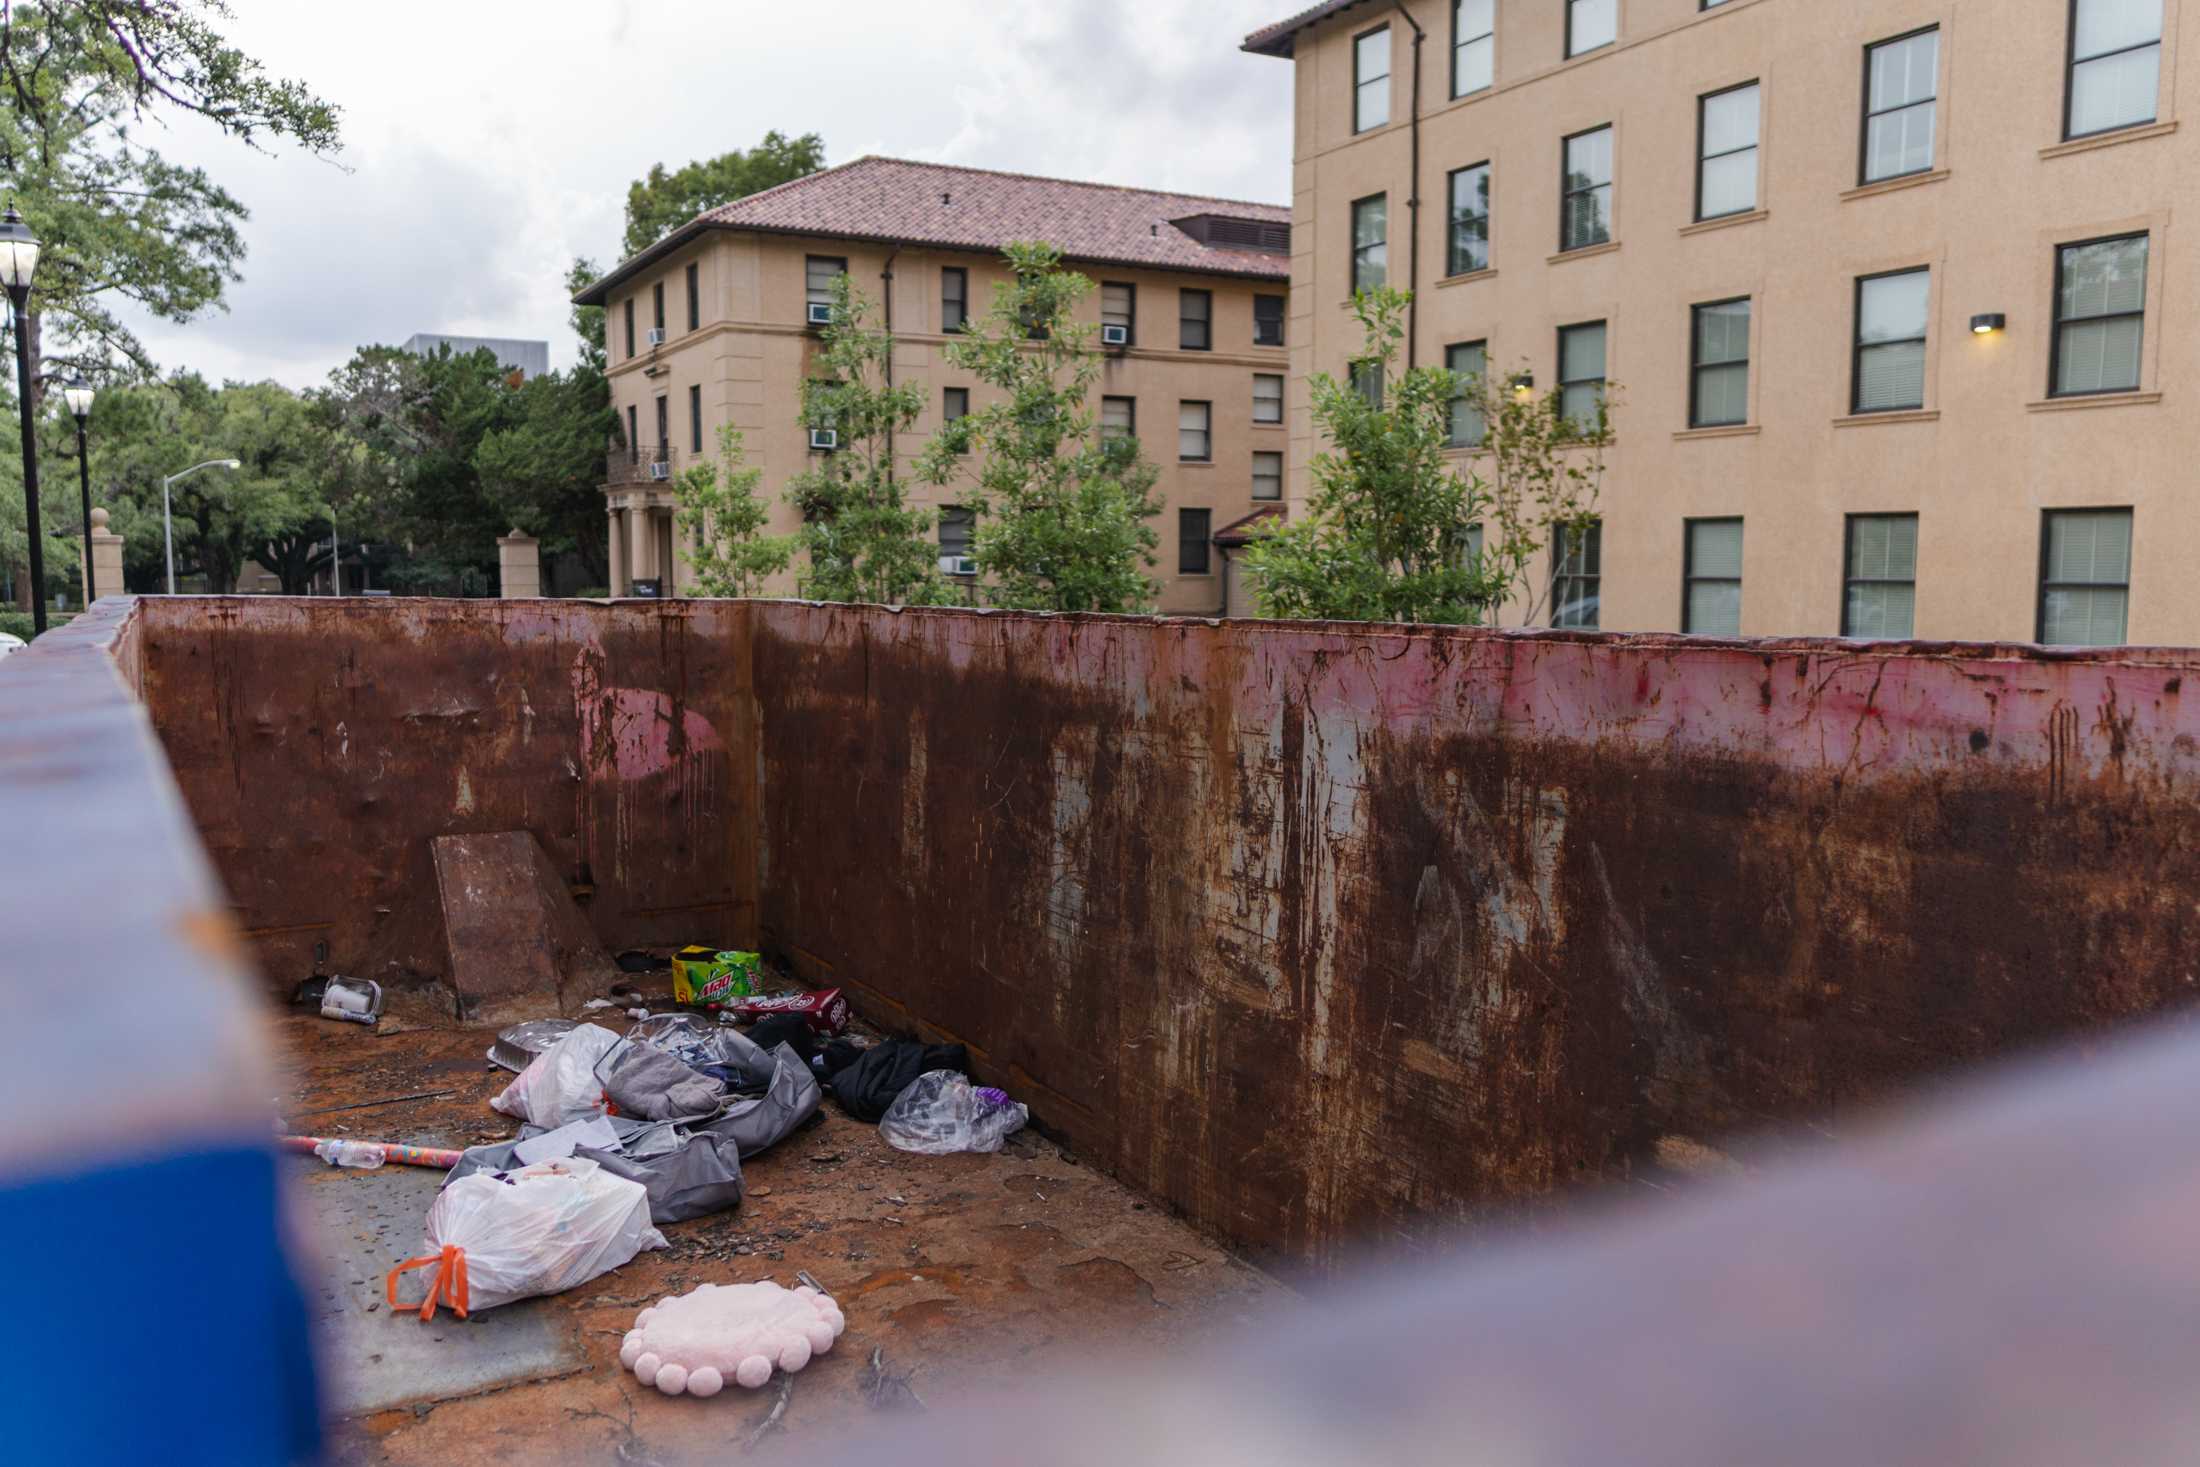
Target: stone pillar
(106,556)
(519,565)
(641,542)
(615,543)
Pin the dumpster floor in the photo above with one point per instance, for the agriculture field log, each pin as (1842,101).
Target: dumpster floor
(973,1271)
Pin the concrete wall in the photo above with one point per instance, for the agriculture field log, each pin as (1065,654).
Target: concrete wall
(1318,932)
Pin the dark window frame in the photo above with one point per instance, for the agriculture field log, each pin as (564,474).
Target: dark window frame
(1365,373)
(2071,63)
(1561,552)
(1857,343)
(1353,245)
(1205,322)
(630,326)
(2047,516)
(1187,515)
(1570,52)
(807,262)
(664,424)
(1864,123)
(695,294)
(1489,35)
(657,305)
(1603,380)
(960,299)
(1386,78)
(1703,102)
(1696,363)
(2056,321)
(1283,386)
(1451,220)
(1277,455)
(1131,326)
(633,433)
(947,396)
(1209,431)
(1131,401)
(1689,578)
(1850,581)
(1566,194)
(1483,344)
(695,417)
(1282,307)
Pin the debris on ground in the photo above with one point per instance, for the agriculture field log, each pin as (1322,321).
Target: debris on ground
(517,1047)
(560,1085)
(358,1155)
(941,1112)
(824,1010)
(874,1078)
(885,1391)
(392,1151)
(701,976)
(700,1341)
(354,1000)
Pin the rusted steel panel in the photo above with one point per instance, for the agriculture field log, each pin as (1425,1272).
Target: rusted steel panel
(1332,933)
(323,743)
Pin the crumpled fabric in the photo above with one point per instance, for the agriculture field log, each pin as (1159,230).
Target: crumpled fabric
(717,1050)
(869,1085)
(651,1084)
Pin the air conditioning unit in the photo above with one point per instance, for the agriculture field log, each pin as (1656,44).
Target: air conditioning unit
(824,440)
(821,313)
(1115,336)
(656,336)
(659,469)
(958,565)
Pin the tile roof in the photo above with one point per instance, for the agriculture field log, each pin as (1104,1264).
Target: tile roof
(1239,532)
(1280,38)
(897,201)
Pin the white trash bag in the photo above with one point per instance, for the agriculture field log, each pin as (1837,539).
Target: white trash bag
(560,1086)
(496,1237)
(941,1111)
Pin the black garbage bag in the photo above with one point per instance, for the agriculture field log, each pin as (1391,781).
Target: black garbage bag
(868,1086)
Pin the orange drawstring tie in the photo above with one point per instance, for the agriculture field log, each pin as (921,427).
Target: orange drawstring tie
(447,1287)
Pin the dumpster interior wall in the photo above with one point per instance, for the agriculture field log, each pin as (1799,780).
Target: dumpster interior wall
(1326,935)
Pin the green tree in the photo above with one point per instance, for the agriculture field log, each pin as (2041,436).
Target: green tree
(725,517)
(1061,509)
(661,201)
(542,469)
(1393,532)
(864,540)
(587,321)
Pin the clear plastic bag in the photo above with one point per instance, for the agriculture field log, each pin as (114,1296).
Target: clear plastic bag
(363,1155)
(941,1112)
(561,1084)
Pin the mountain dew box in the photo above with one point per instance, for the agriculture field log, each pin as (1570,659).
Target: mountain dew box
(702,976)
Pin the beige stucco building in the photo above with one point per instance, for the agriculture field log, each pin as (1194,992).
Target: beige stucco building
(715,324)
(1780,221)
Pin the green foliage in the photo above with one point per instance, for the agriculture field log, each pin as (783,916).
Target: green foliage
(541,468)
(864,541)
(587,321)
(124,228)
(18,624)
(1061,512)
(1391,528)
(662,200)
(721,511)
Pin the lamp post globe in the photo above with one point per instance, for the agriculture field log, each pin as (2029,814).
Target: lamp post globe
(18,262)
(77,393)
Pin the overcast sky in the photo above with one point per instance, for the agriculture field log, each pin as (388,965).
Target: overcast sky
(488,142)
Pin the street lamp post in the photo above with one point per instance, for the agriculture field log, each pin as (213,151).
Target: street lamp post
(167,513)
(77,393)
(18,259)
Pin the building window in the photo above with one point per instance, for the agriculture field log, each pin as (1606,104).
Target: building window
(1371,79)
(958,532)
(1195,432)
(1711,578)
(1880,576)
(818,274)
(1367,381)
(954,298)
(954,403)
(1719,382)
(695,295)
(664,428)
(1267,397)
(657,306)
(1193,529)
(1119,307)
(630,325)
(1890,341)
(1577,575)
(1267,475)
(2100,316)
(1581,374)
(1468,249)
(2085,577)
(1473,45)
(633,437)
(2115,65)
(1710,4)
(1467,360)
(1370,243)
(1590,24)
(695,419)
(1118,418)
(1586,207)
(1726,161)
(1901,87)
(1267,320)
(1195,320)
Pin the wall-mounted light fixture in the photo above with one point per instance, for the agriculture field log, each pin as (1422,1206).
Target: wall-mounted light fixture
(1988,324)
(1522,383)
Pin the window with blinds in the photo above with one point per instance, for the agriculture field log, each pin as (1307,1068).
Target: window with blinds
(1119,307)
(958,529)
(1726,152)
(1711,600)
(1880,576)
(1473,45)
(1468,359)
(1195,431)
(2085,577)
(1371,79)
(2100,316)
(1719,384)
(1267,320)
(954,297)
(818,274)
(1267,397)
(1585,204)
(1891,314)
(1267,475)
(1118,418)
(1581,373)
(2115,66)
(1195,320)
(1901,103)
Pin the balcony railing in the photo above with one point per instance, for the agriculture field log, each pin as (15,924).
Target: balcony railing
(641,465)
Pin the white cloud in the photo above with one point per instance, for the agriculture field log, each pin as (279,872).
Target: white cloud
(488,144)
